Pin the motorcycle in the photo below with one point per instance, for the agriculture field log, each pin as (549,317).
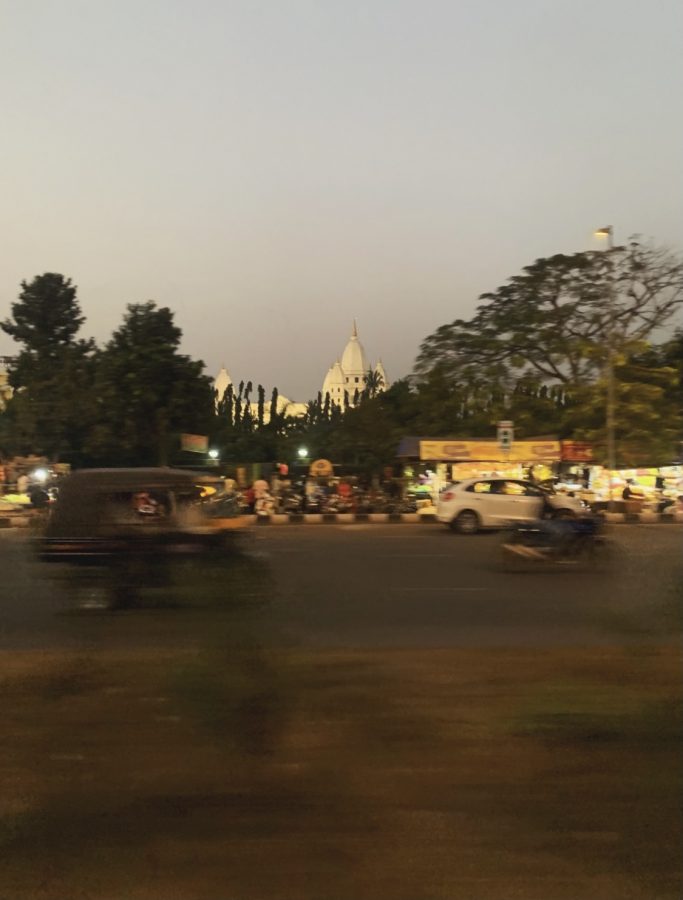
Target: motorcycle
(568,543)
(264,507)
(292,503)
(315,502)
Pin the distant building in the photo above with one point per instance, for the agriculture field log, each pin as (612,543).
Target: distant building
(285,406)
(348,375)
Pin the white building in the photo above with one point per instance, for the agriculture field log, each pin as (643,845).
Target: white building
(285,406)
(348,375)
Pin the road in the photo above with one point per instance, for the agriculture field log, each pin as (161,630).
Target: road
(373,585)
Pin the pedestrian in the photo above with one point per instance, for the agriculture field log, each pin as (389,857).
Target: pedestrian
(629,493)
(250,498)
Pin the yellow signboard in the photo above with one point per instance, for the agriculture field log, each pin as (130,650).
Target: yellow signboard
(194,443)
(490,451)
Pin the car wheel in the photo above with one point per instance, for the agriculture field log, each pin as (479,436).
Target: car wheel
(467,522)
(563,514)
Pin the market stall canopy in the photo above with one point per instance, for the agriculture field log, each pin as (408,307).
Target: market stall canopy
(532,451)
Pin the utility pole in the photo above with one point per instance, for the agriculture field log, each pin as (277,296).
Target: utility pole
(608,232)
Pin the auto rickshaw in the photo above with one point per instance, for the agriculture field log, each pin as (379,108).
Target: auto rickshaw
(113,532)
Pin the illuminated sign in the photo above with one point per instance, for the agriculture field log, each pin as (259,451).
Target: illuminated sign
(490,451)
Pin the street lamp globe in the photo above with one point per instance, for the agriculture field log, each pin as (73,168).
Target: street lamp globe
(213,454)
(302,452)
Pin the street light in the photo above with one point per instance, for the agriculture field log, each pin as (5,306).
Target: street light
(608,232)
(213,454)
(302,452)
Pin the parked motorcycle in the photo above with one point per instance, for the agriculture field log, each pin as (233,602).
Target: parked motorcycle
(315,502)
(292,502)
(336,504)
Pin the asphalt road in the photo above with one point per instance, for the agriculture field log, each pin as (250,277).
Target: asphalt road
(385,586)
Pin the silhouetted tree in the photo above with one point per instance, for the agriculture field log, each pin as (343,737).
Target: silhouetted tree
(261,405)
(53,407)
(147,391)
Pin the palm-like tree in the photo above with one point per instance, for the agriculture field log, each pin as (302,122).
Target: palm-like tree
(373,383)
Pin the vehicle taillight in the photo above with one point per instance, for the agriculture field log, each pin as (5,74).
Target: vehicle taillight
(449,495)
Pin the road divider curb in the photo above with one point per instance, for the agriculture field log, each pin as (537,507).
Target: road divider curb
(340,518)
(643,518)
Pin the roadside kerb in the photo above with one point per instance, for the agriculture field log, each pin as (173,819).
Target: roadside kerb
(340,518)
(643,518)
(646,517)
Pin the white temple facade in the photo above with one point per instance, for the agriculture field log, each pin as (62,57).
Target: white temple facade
(345,381)
(349,375)
(285,406)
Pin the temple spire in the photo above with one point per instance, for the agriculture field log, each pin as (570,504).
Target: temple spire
(354,333)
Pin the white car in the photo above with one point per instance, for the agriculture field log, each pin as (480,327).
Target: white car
(467,506)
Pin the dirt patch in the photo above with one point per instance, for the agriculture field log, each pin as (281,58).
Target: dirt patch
(246,772)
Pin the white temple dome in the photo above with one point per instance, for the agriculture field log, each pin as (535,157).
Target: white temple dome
(349,375)
(334,384)
(379,369)
(353,361)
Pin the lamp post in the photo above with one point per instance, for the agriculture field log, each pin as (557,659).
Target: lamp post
(608,232)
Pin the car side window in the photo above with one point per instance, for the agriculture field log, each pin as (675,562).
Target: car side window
(512,488)
(532,491)
(480,487)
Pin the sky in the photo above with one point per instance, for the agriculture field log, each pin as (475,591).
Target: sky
(272,169)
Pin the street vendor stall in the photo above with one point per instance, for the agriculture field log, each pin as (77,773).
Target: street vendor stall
(651,487)
(431,464)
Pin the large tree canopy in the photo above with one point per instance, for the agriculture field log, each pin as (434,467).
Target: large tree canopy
(49,412)
(554,319)
(147,391)
(46,317)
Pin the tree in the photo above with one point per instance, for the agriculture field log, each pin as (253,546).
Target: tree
(648,411)
(373,383)
(147,391)
(261,405)
(553,320)
(274,412)
(536,351)
(226,404)
(45,320)
(52,407)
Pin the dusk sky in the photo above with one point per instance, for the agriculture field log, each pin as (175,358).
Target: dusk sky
(273,169)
